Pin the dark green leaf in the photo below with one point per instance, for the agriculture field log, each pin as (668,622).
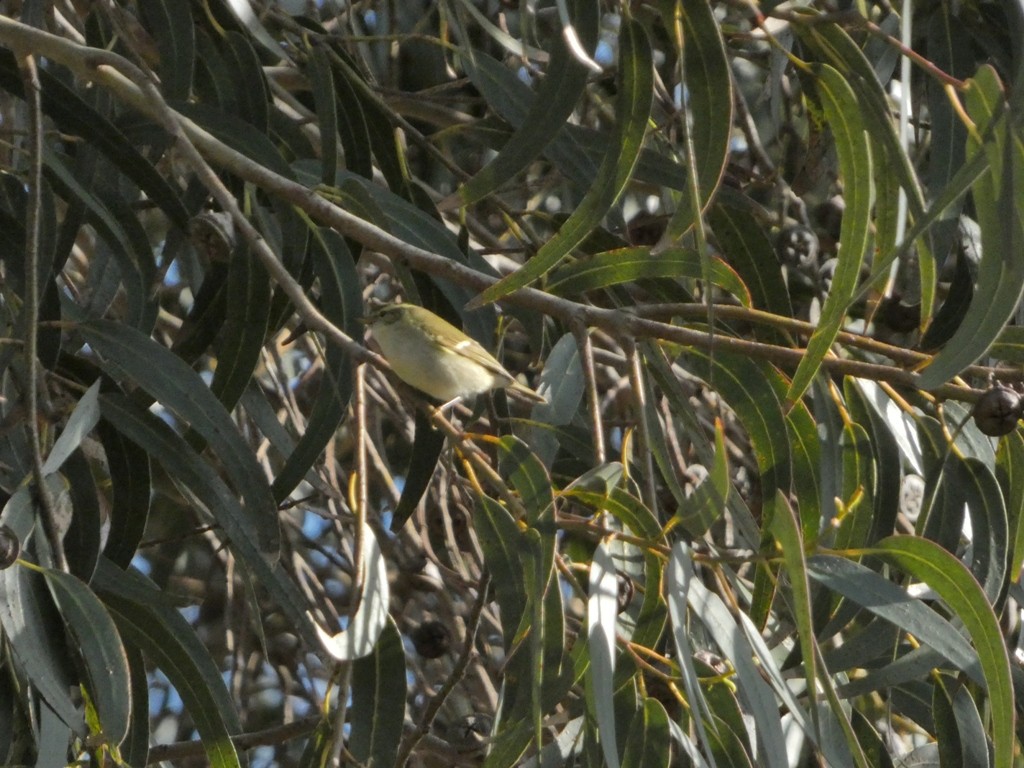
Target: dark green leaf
(146,619)
(341,303)
(171,26)
(322,81)
(747,248)
(378,700)
(75,116)
(633,108)
(240,340)
(551,107)
(208,492)
(98,645)
(140,360)
(35,632)
(998,199)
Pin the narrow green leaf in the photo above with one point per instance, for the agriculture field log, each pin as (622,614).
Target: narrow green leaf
(708,80)
(426,451)
(81,422)
(858,489)
(240,339)
(998,201)
(352,126)
(563,385)
(754,390)
(692,508)
(145,618)
(82,542)
(897,171)
(748,249)
(341,302)
(629,264)
(408,222)
(967,485)
(648,742)
(525,473)
(239,134)
(371,123)
(553,104)
(557,673)
(54,738)
(378,700)
(130,485)
(712,612)
(500,539)
(954,583)
(133,258)
(805,455)
(321,79)
(35,634)
(786,530)
(633,108)
(252,90)
(130,355)
(949,49)
(576,151)
(76,116)
(172,27)
(208,492)
(678,613)
(623,506)
(135,747)
(974,750)
(887,600)
(873,410)
(98,645)
(1010,473)
(844,118)
(708,501)
(708,97)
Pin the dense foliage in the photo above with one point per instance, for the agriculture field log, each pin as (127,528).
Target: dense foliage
(762,261)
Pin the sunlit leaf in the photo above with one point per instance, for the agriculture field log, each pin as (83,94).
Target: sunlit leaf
(844,118)
(359,637)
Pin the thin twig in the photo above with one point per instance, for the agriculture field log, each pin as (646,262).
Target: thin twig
(30,79)
(268,736)
(586,348)
(645,456)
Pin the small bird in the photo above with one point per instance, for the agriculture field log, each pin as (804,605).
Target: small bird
(437,358)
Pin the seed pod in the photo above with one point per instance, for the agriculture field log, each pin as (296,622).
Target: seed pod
(997,411)
(898,316)
(431,639)
(10,547)
(797,246)
(626,592)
